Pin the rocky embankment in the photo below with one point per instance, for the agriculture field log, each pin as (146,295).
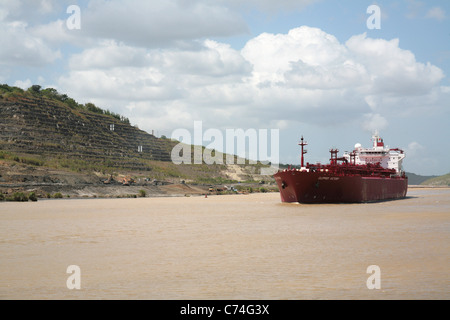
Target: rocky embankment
(46,183)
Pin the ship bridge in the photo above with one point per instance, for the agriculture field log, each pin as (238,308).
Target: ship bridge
(379,153)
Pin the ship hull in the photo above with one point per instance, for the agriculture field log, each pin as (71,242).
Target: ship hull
(320,187)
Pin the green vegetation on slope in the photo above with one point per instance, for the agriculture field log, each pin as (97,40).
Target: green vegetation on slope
(36,91)
(415,179)
(443,180)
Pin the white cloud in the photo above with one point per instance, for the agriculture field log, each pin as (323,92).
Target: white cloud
(108,55)
(33,11)
(436,13)
(417,8)
(56,33)
(19,44)
(415,149)
(271,6)
(304,76)
(272,55)
(414,8)
(391,69)
(23,84)
(19,47)
(158,23)
(146,24)
(374,122)
(134,73)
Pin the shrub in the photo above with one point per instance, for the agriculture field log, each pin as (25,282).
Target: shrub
(34,162)
(142,193)
(93,108)
(32,196)
(19,196)
(34,88)
(57,195)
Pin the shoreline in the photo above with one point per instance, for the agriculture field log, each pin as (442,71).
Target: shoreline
(118,191)
(163,190)
(418,186)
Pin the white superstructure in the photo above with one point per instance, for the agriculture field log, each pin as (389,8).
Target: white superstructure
(388,158)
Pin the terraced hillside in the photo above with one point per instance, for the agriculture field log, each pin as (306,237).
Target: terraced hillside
(35,124)
(50,143)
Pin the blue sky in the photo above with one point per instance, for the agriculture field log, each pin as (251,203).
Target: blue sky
(304,67)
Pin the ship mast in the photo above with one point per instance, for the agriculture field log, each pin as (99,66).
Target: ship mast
(304,151)
(334,158)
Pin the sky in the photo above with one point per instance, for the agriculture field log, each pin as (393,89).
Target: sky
(331,71)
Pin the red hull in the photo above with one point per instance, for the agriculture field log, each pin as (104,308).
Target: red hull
(324,187)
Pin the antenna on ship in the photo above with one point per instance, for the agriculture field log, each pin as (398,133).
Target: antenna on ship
(304,151)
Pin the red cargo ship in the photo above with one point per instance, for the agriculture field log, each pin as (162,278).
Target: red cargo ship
(363,175)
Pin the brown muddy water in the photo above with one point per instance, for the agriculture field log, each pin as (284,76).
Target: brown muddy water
(226,247)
